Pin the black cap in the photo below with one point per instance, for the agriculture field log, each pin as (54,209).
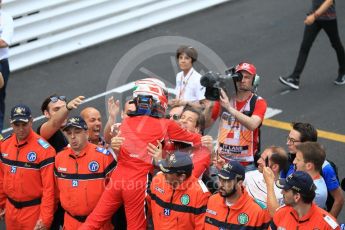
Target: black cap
(177,162)
(299,181)
(232,169)
(77,122)
(20,113)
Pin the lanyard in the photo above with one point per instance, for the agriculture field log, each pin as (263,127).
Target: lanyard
(184,83)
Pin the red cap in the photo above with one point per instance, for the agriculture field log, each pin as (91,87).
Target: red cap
(250,68)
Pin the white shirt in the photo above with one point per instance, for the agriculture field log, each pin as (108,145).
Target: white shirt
(320,193)
(188,88)
(6,32)
(255,184)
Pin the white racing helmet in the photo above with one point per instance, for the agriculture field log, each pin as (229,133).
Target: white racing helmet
(152,87)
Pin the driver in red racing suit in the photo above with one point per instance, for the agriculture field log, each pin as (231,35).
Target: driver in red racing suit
(128,182)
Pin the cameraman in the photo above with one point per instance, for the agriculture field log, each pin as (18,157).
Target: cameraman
(239,134)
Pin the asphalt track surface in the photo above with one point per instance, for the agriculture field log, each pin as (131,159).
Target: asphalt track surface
(267,32)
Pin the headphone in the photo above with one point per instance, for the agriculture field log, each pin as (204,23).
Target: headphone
(256,82)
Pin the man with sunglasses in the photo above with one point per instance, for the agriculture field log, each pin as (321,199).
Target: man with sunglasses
(303,132)
(192,120)
(175,112)
(256,183)
(56,109)
(299,211)
(26,175)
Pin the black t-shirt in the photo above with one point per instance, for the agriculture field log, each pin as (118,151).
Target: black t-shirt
(58,140)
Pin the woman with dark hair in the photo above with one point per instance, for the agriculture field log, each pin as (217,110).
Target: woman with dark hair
(188,87)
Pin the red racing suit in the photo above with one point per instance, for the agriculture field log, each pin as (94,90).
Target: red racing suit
(180,208)
(27,181)
(128,182)
(81,181)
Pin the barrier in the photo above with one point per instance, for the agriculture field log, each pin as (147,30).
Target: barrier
(49,29)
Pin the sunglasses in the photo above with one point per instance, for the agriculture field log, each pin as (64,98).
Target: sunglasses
(56,98)
(175,117)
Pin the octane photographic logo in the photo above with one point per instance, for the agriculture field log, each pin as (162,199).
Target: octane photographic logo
(151,59)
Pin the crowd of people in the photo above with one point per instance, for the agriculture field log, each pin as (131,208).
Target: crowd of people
(156,168)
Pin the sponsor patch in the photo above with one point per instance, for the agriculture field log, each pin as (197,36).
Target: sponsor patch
(134,155)
(62,169)
(243,218)
(211,212)
(4,154)
(93,166)
(160,190)
(31,156)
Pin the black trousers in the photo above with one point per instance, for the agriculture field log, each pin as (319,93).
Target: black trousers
(310,33)
(5,70)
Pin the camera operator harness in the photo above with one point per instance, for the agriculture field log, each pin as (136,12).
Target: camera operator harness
(235,141)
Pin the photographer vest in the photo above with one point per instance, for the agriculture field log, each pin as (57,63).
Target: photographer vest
(235,141)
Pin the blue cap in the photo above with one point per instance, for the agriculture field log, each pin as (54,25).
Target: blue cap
(299,181)
(20,113)
(177,162)
(77,122)
(231,170)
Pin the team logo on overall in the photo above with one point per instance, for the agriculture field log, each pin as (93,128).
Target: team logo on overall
(243,218)
(184,199)
(31,156)
(93,166)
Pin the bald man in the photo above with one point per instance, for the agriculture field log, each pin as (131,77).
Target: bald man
(93,120)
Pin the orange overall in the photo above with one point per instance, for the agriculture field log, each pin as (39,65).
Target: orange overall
(81,181)
(27,181)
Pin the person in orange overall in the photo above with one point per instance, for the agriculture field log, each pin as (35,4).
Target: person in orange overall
(299,211)
(177,198)
(232,207)
(26,175)
(81,171)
